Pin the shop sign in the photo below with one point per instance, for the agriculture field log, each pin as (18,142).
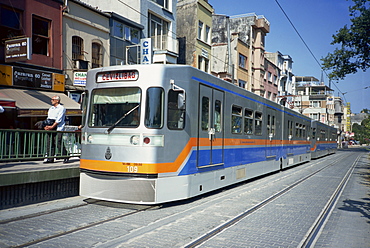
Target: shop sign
(32,78)
(79,78)
(146,51)
(17,50)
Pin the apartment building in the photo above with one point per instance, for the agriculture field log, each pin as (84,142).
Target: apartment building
(194,27)
(157,19)
(314,99)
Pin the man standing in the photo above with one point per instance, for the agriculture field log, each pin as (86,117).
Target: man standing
(56,114)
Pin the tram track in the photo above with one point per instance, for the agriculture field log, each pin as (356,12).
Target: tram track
(315,230)
(310,168)
(310,237)
(63,233)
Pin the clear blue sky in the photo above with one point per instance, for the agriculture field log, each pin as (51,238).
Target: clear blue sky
(316,21)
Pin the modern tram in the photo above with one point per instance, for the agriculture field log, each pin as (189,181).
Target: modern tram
(161,133)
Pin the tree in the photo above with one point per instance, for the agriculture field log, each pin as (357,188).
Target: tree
(362,132)
(354,41)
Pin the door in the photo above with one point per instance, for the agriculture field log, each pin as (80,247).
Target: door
(210,127)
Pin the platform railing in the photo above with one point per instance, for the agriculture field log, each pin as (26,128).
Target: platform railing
(21,145)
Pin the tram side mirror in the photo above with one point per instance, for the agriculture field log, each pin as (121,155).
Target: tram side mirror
(181,100)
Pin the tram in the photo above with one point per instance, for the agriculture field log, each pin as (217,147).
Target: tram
(161,133)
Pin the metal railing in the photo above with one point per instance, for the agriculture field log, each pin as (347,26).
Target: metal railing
(21,145)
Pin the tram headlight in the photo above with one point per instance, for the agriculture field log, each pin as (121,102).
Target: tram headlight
(135,140)
(89,138)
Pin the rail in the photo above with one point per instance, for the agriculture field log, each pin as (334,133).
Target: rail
(22,145)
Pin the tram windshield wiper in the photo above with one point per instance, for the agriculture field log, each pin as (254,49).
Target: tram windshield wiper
(120,119)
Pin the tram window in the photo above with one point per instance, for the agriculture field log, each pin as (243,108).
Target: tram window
(297,130)
(112,104)
(271,125)
(290,128)
(217,120)
(236,119)
(258,123)
(304,131)
(322,135)
(248,121)
(154,108)
(176,114)
(205,113)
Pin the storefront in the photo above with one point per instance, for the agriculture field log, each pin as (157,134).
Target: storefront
(30,91)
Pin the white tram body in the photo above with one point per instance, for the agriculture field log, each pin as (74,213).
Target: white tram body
(160,133)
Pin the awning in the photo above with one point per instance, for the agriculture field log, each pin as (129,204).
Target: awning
(6,101)
(32,103)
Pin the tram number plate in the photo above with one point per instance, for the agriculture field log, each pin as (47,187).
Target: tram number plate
(132,169)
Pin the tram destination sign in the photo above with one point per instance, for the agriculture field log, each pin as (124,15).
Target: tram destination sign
(115,76)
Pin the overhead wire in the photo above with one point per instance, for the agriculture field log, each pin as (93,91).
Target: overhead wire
(306,45)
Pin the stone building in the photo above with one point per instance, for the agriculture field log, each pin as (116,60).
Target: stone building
(194,27)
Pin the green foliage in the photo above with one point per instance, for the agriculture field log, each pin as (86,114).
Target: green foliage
(362,132)
(354,41)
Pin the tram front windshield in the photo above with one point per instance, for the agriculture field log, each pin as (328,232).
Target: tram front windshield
(119,107)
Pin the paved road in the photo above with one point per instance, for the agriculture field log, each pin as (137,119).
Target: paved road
(282,222)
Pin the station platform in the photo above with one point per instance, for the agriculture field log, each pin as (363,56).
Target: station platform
(28,182)
(13,173)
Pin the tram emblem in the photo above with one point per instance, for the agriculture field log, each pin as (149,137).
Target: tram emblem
(108,154)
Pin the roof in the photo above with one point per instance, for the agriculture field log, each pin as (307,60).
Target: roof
(36,103)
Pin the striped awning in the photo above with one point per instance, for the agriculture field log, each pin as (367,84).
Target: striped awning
(36,103)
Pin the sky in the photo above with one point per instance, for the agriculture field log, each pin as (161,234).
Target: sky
(316,21)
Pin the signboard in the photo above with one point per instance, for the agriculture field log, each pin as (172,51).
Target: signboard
(79,78)
(17,50)
(6,75)
(112,76)
(146,51)
(59,82)
(32,78)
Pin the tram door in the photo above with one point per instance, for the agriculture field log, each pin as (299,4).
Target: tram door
(210,127)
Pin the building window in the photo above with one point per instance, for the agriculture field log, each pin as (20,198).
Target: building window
(200,30)
(96,58)
(203,64)
(10,23)
(315,104)
(242,61)
(163,3)
(77,48)
(242,83)
(208,33)
(123,32)
(40,35)
(158,31)
(118,29)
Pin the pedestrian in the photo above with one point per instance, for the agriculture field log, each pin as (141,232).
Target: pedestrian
(56,121)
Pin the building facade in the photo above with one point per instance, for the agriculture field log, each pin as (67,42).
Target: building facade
(314,99)
(85,44)
(31,62)
(284,64)
(194,27)
(158,19)
(251,30)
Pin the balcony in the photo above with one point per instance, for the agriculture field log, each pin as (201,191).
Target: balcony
(165,43)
